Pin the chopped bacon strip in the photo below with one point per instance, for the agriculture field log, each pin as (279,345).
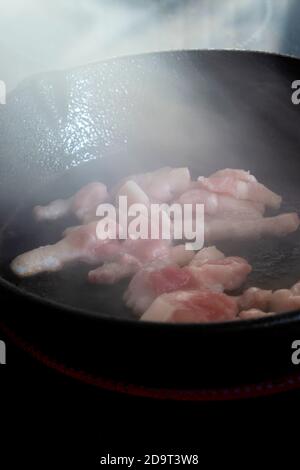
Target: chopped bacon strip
(162,185)
(221,204)
(224,229)
(253,314)
(81,244)
(192,306)
(240,185)
(214,274)
(255,302)
(115,271)
(255,298)
(135,254)
(83,204)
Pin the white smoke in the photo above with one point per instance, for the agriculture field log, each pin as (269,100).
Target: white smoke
(40,35)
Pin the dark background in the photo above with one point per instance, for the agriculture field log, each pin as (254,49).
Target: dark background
(49,418)
(46,417)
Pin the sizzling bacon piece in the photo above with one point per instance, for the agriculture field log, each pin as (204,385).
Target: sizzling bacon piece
(210,253)
(255,298)
(222,205)
(192,306)
(83,204)
(284,300)
(162,185)
(113,272)
(241,185)
(253,314)
(135,254)
(134,194)
(224,229)
(213,274)
(224,274)
(81,244)
(257,303)
(234,173)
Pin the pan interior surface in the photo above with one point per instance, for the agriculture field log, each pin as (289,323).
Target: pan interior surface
(204,111)
(275,262)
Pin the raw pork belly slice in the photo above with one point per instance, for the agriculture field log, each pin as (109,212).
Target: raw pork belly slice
(162,185)
(110,273)
(213,274)
(134,194)
(234,173)
(224,229)
(284,300)
(224,274)
(135,254)
(83,204)
(240,185)
(253,314)
(210,253)
(222,204)
(81,244)
(255,298)
(192,306)
(257,303)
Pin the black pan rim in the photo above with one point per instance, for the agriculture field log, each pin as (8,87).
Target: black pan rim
(235,51)
(241,325)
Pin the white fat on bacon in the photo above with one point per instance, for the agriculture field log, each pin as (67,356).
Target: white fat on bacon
(253,314)
(134,255)
(133,193)
(257,303)
(80,244)
(210,253)
(216,274)
(112,272)
(192,306)
(255,298)
(216,229)
(221,204)
(284,300)
(162,185)
(241,185)
(83,204)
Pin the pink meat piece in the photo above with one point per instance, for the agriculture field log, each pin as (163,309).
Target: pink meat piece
(210,253)
(256,303)
(253,314)
(83,204)
(224,274)
(134,255)
(162,185)
(156,279)
(225,229)
(238,185)
(255,298)
(192,306)
(283,300)
(295,289)
(222,204)
(234,173)
(113,272)
(81,244)
(140,293)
